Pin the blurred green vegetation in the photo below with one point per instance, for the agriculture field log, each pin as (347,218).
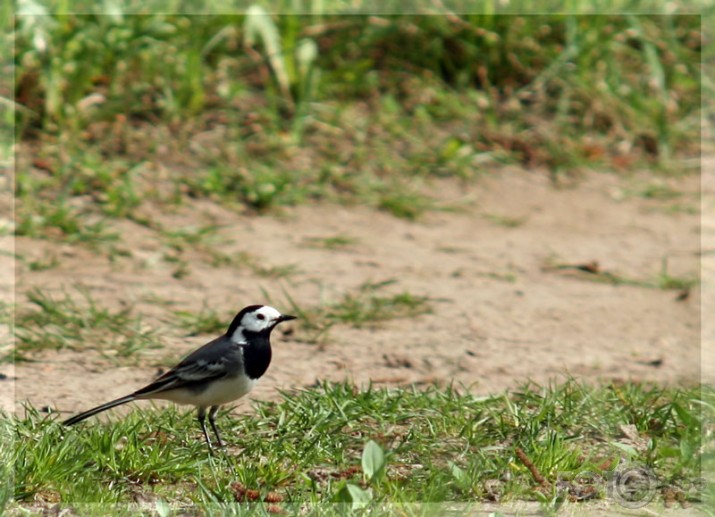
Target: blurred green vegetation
(595,73)
(258,110)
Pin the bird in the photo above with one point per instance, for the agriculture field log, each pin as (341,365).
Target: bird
(221,371)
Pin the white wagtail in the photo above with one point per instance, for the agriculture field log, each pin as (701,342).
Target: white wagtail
(221,371)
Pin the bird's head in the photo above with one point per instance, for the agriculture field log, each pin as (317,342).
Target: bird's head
(255,319)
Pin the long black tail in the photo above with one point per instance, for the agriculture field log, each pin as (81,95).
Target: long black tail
(99,409)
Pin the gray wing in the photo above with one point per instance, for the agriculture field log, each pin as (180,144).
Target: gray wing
(214,360)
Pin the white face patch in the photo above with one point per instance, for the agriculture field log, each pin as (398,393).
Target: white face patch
(256,321)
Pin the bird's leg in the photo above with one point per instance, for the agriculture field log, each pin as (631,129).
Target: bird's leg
(202,421)
(212,415)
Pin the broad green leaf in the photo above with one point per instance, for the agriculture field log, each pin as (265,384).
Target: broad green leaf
(459,475)
(685,416)
(373,460)
(632,453)
(358,496)
(162,508)
(353,495)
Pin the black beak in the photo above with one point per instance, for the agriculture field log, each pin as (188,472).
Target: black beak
(286,317)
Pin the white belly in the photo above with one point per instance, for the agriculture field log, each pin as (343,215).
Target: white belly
(219,392)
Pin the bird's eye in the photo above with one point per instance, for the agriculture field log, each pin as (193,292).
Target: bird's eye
(260,316)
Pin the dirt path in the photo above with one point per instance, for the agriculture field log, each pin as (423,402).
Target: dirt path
(499,317)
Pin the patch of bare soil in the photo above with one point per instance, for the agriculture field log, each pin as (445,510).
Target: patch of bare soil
(499,316)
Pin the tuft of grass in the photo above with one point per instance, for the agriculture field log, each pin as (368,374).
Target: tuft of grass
(366,306)
(507,276)
(181,268)
(377,447)
(505,220)
(659,191)
(49,261)
(665,280)
(44,263)
(592,271)
(261,190)
(404,204)
(656,189)
(7,435)
(57,220)
(274,271)
(332,242)
(50,322)
(206,241)
(207,321)
(201,237)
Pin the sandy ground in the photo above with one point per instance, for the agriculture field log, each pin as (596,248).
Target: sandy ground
(499,316)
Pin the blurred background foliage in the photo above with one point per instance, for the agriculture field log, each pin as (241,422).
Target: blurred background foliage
(241,106)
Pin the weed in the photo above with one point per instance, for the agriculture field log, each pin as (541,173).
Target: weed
(592,271)
(404,204)
(264,269)
(333,242)
(50,220)
(665,280)
(192,237)
(507,276)
(44,263)
(64,323)
(505,220)
(207,321)
(264,188)
(366,306)
(656,189)
(373,446)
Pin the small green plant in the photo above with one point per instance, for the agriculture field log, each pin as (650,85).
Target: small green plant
(592,271)
(207,321)
(51,322)
(367,307)
(44,263)
(59,221)
(363,307)
(665,280)
(505,220)
(207,243)
(404,204)
(192,237)
(333,242)
(292,61)
(264,188)
(373,467)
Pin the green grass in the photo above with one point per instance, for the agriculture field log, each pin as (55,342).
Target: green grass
(365,308)
(208,244)
(41,264)
(58,322)
(404,203)
(552,445)
(57,220)
(207,321)
(368,305)
(333,242)
(202,237)
(385,101)
(592,272)
(505,220)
